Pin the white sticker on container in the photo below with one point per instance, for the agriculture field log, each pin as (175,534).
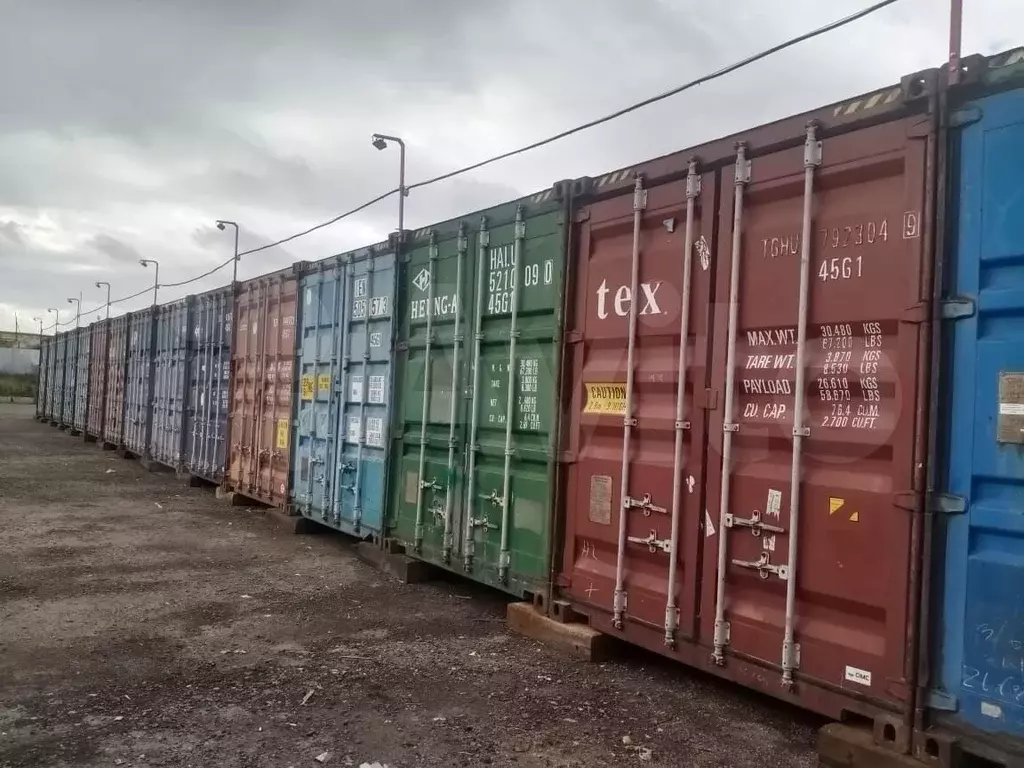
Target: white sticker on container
(690,482)
(859,676)
(704,252)
(376,395)
(773,506)
(309,295)
(355,389)
(352,429)
(709,527)
(360,287)
(375,431)
(991,710)
(1011,409)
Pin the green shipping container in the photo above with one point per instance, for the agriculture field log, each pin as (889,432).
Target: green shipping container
(476,410)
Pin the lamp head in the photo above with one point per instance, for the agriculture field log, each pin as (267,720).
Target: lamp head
(220,225)
(378,142)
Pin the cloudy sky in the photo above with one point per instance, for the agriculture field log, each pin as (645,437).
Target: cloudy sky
(128,126)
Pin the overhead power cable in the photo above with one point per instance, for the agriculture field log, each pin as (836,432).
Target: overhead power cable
(729,69)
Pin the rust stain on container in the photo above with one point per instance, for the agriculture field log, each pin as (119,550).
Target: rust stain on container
(851,577)
(263,363)
(97,409)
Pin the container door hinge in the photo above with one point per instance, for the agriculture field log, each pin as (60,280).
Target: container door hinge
(582,215)
(937,503)
(402,346)
(922,129)
(573,337)
(968,115)
(941,701)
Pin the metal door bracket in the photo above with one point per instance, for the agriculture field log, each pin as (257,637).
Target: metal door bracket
(764,567)
(652,542)
(753,523)
(644,504)
(957,308)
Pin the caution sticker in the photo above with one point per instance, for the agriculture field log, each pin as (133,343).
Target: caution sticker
(323,383)
(306,387)
(606,398)
(834,504)
(282,435)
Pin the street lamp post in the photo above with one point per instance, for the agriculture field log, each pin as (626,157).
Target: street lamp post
(56,321)
(40,321)
(78,309)
(99,284)
(380,141)
(156,277)
(221,224)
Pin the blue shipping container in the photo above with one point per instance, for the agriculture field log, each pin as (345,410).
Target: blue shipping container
(170,380)
(138,407)
(981,637)
(344,380)
(206,419)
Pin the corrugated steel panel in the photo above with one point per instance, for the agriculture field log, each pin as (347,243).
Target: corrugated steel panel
(117,382)
(70,361)
(263,363)
(55,399)
(172,352)
(476,393)
(980,624)
(209,395)
(43,383)
(83,348)
(138,422)
(343,409)
(686,493)
(98,335)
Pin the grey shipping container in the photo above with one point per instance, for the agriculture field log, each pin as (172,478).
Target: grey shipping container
(55,397)
(169,384)
(209,390)
(138,420)
(45,353)
(83,344)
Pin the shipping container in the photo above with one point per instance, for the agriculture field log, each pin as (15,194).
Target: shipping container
(138,420)
(98,334)
(206,418)
(42,387)
(978,630)
(70,361)
(476,392)
(263,376)
(83,347)
(744,379)
(170,383)
(55,400)
(343,409)
(115,409)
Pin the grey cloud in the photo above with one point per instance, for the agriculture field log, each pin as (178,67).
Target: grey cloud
(114,249)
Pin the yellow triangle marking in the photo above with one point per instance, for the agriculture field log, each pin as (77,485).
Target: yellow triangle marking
(855,517)
(834,504)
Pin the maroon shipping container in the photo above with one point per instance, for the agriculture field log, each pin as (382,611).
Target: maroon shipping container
(262,375)
(117,371)
(683,518)
(98,352)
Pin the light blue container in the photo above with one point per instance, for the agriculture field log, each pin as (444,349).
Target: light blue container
(342,410)
(979,637)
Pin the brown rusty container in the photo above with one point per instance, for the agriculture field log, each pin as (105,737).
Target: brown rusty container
(116,383)
(685,531)
(262,377)
(97,409)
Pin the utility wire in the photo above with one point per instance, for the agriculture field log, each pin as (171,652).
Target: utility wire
(830,27)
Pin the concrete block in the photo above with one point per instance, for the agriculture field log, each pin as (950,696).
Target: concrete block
(407,570)
(577,640)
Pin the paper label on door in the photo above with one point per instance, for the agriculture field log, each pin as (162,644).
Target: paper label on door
(709,527)
(352,429)
(601,499)
(859,676)
(306,387)
(323,383)
(282,435)
(376,393)
(375,431)
(607,398)
(355,389)
(773,506)
(1010,424)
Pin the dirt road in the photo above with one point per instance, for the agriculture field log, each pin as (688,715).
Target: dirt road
(143,623)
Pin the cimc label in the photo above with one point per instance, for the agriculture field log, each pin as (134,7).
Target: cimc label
(606,398)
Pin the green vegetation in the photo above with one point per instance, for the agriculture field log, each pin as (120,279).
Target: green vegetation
(17,385)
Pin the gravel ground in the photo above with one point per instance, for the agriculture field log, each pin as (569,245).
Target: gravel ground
(143,623)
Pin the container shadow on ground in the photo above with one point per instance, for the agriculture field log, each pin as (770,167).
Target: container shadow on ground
(157,621)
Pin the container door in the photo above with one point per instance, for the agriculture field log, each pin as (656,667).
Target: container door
(982,635)
(808,569)
(513,418)
(314,484)
(430,439)
(635,442)
(364,417)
